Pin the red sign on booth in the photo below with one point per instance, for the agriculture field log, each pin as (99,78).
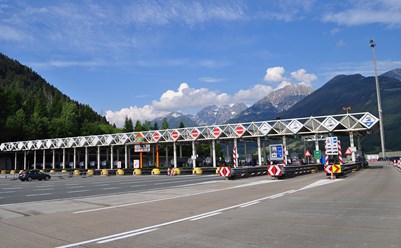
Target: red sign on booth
(225,171)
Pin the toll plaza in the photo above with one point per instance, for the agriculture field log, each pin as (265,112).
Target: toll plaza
(117,148)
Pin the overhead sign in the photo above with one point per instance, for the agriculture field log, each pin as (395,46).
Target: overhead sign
(276,152)
(317,154)
(265,128)
(139,137)
(175,134)
(369,120)
(195,133)
(156,136)
(295,126)
(216,132)
(225,171)
(240,130)
(330,123)
(307,153)
(274,170)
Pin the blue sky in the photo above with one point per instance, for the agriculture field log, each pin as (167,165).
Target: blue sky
(143,59)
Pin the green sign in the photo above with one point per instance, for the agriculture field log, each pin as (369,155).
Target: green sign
(317,154)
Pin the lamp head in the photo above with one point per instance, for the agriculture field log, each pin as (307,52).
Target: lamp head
(372,43)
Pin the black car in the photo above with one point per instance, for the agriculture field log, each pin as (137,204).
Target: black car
(30,175)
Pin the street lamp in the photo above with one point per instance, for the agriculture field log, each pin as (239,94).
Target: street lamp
(379,107)
(347,108)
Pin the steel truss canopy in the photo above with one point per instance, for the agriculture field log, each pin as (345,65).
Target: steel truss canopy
(358,123)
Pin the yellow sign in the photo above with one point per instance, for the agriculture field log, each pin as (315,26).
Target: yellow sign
(336,168)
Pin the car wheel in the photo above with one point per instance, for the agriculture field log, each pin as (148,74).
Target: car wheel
(29,179)
(47,178)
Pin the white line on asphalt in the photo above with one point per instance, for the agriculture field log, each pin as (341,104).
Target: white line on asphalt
(111,188)
(138,185)
(205,216)
(75,187)
(7,192)
(77,191)
(249,204)
(127,236)
(39,194)
(43,189)
(208,214)
(13,188)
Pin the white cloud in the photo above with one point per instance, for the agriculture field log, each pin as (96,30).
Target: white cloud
(253,94)
(12,34)
(387,12)
(274,74)
(147,112)
(303,77)
(210,79)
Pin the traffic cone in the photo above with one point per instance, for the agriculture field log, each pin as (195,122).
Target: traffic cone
(333,176)
(168,172)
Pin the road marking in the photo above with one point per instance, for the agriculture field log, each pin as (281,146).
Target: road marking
(139,185)
(39,194)
(111,188)
(127,236)
(191,218)
(7,192)
(77,191)
(75,187)
(13,188)
(43,189)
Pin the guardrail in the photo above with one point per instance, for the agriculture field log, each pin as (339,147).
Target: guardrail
(343,169)
(280,171)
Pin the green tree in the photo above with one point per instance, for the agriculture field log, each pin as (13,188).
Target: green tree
(15,125)
(164,123)
(128,125)
(138,126)
(146,125)
(181,125)
(155,126)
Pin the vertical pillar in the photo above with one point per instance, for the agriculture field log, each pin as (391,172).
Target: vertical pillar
(34,159)
(75,158)
(157,156)
(180,150)
(129,156)
(126,156)
(44,160)
(285,161)
(227,151)
(54,159)
(118,154)
(86,157)
(140,160)
(352,145)
(245,151)
(175,154)
(193,155)
(317,148)
(167,156)
(15,161)
(259,152)
(64,158)
(24,160)
(214,153)
(98,157)
(111,157)
(236,151)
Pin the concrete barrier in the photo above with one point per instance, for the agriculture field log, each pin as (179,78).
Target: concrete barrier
(197,171)
(137,172)
(155,171)
(90,172)
(120,172)
(104,172)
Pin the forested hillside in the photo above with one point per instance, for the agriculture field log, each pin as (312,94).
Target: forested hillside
(31,108)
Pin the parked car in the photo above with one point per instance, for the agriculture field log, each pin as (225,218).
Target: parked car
(30,175)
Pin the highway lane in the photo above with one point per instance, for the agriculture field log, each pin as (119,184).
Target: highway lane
(362,210)
(15,191)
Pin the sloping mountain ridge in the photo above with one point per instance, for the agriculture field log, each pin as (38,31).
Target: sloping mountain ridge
(213,114)
(359,93)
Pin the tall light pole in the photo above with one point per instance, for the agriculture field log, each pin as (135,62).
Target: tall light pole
(379,104)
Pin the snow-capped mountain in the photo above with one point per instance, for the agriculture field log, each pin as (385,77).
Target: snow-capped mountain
(213,114)
(277,101)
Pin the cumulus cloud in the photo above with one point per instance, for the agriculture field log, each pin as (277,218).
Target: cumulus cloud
(303,77)
(274,74)
(147,112)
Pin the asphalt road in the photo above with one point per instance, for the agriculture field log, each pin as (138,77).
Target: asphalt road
(361,210)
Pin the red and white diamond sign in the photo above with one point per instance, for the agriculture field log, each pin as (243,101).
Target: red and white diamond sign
(175,134)
(274,170)
(328,169)
(216,132)
(156,136)
(195,133)
(240,130)
(225,171)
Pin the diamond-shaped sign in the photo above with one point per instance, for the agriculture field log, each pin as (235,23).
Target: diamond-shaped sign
(330,123)
(265,128)
(369,120)
(295,126)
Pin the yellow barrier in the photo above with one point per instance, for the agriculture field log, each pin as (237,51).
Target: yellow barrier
(64,171)
(12,172)
(105,172)
(197,171)
(155,171)
(137,172)
(90,172)
(120,172)
(52,171)
(3,172)
(42,170)
(177,171)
